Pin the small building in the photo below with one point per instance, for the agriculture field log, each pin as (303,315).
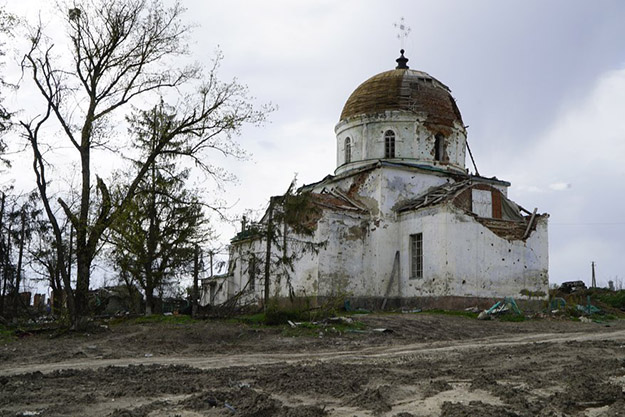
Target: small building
(400,222)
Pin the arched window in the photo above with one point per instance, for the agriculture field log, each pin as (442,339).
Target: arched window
(439,144)
(348,150)
(389,144)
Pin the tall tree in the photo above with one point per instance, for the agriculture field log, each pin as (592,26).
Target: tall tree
(156,235)
(6,267)
(121,51)
(17,220)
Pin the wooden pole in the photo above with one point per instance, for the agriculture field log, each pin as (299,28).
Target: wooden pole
(472,160)
(394,272)
(529,225)
(196,273)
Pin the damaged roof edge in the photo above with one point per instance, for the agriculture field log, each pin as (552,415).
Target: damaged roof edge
(403,165)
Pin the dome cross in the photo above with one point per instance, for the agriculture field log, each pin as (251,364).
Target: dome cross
(404,31)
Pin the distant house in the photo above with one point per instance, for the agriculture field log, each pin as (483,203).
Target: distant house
(118,299)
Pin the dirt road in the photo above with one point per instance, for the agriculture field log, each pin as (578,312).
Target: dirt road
(428,365)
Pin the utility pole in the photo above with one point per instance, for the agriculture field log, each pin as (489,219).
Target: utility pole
(594,281)
(196,273)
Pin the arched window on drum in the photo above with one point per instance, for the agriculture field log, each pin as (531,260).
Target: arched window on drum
(439,147)
(389,144)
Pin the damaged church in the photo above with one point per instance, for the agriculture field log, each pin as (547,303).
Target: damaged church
(401,222)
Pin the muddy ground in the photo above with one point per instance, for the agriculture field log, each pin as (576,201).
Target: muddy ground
(427,365)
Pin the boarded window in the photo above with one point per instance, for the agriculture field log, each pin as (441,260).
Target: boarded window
(348,150)
(416,255)
(482,202)
(389,144)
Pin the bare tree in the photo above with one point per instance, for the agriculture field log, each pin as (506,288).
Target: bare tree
(121,51)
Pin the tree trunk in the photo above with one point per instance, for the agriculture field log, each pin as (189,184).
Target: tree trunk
(84,255)
(18,275)
(150,307)
(7,266)
(39,167)
(150,280)
(55,284)
(3,288)
(81,294)
(69,252)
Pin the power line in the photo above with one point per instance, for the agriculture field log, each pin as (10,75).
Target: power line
(586,224)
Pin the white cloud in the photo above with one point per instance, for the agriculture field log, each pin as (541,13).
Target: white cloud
(560,186)
(584,146)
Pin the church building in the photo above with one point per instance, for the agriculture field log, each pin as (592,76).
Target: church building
(401,222)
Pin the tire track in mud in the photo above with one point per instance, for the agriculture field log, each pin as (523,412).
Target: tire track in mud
(257,359)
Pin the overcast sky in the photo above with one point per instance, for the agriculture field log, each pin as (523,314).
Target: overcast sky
(540,83)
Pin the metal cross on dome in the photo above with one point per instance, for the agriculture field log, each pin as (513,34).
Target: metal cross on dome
(403,31)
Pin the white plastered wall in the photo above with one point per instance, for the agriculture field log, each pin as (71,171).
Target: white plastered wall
(462,257)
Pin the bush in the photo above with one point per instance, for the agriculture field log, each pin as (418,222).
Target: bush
(276,315)
(511,317)
(6,335)
(614,299)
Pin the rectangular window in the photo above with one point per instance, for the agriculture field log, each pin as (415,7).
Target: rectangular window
(416,255)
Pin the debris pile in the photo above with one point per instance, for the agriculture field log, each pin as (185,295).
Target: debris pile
(507,305)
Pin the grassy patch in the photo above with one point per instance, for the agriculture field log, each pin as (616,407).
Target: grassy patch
(314,330)
(531,294)
(155,318)
(614,299)
(6,335)
(511,317)
(253,319)
(310,322)
(458,313)
(278,315)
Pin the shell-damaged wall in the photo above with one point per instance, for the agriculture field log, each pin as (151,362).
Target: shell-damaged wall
(462,257)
